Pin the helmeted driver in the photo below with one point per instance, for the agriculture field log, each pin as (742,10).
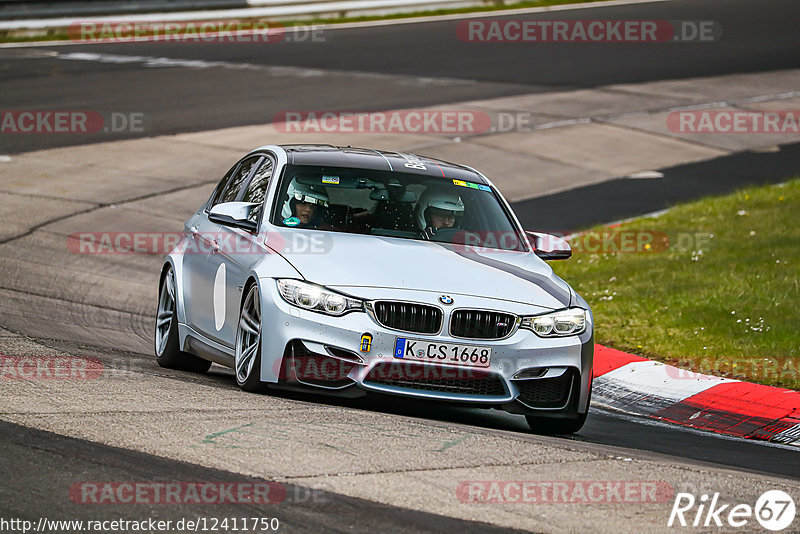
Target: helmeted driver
(302,209)
(438,208)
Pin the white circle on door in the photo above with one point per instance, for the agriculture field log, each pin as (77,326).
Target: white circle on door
(219,297)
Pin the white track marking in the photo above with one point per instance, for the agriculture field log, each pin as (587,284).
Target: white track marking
(646,387)
(272,70)
(789,436)
(250,13)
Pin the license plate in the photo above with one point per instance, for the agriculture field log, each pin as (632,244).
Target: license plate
(449,353)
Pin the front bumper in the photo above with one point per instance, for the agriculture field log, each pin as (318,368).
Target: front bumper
(316,350)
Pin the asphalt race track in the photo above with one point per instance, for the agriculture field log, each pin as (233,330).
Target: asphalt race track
(56,461)
(141,427)
(615,200)
(400,70)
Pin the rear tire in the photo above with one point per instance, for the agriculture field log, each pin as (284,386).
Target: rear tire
(168,352)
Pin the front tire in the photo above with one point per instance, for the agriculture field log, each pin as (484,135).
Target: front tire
(247,363)
(545,425)
(168,352)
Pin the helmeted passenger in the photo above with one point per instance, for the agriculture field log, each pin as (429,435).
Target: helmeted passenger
(438,208)
(304,204)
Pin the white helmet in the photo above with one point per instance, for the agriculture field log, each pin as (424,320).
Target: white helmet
(303,193)
(439,199)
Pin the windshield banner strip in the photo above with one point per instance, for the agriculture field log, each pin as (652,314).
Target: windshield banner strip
(384,157)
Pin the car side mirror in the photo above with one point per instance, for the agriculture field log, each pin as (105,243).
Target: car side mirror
(236,214)
(549,247)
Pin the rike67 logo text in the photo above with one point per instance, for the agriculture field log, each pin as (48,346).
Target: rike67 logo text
(774,510)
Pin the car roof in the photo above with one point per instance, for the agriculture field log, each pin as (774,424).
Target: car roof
(367,158)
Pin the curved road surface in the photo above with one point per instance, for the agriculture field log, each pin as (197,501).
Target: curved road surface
(100,306)
(382,67)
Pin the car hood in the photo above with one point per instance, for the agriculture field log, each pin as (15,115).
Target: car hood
(352,260)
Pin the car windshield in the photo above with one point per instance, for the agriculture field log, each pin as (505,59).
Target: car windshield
(393,204)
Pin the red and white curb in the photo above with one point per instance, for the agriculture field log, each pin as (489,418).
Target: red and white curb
(635,385)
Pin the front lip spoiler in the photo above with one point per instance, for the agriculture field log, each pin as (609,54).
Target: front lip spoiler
(436,395)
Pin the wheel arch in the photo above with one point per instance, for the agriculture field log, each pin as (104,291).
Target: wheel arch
(251,280)
(169,262)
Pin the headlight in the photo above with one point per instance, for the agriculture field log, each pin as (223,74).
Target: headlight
(557,324)
(316,298)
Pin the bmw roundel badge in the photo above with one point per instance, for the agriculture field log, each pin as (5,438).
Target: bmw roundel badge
(446,299)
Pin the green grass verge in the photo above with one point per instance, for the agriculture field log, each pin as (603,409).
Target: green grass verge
(60,34)
(722,298)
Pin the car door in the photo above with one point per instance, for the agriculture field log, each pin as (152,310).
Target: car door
(231,257)
(202,274)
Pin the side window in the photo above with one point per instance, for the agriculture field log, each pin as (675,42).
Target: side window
(215,196)
(257,189)
(231,191)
